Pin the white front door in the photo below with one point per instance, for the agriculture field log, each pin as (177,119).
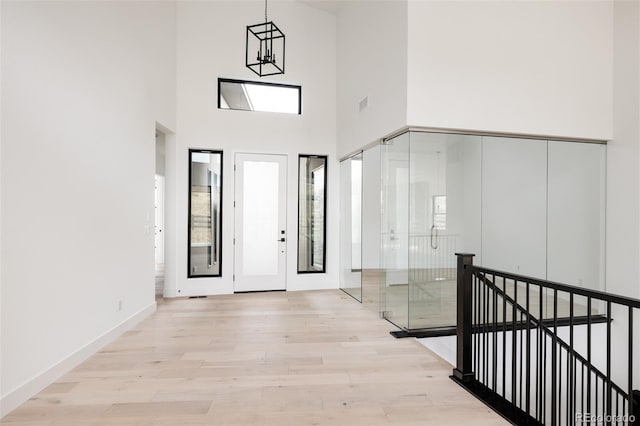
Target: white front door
(260,218)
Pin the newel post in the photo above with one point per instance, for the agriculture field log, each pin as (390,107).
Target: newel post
(463,371)
(635,395)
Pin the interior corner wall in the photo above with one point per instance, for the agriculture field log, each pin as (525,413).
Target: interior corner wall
(1,133)
(83,84)
(519,67)
(211,44)
(623,176)
(623,156)
(372,70)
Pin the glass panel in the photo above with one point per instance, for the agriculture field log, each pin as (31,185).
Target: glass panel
(372,278)
(356,213)
(205,218)
(312,184)
(514,211)
(576,219)
(575,252)
(259,96)
(514,200)
(444,217)
(395,230)
(260,217)
(524,206)
(351,226)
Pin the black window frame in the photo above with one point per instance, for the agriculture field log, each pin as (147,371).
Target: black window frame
(259,83)
(324,231)
(204,151)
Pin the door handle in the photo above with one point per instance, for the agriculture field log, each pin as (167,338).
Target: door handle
(434,233)
(282,240)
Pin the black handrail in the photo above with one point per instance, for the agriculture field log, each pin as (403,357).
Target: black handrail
(568,386)
(580,291)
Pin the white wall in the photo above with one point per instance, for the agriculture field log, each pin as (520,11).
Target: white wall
(623,164)
(211,44)
(525,67)
(160,156)
(1,288)
(623,156)
(372,63)
(79,104)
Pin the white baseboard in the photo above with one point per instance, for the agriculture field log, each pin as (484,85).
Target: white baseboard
(18,396)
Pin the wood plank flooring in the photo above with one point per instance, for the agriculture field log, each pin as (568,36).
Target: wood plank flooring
(295,358)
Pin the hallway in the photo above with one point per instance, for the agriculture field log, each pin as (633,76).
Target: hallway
(294,358)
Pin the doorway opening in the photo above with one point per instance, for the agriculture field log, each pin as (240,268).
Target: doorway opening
(159,197)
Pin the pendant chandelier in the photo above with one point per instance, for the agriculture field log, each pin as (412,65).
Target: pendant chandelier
(265,47)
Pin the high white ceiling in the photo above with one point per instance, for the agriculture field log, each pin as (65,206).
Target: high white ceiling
(330,6)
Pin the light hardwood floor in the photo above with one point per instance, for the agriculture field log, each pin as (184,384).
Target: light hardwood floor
(295,358)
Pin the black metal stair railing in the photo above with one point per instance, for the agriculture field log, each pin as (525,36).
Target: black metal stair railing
(516,351)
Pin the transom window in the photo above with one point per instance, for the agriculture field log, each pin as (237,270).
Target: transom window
(259,96)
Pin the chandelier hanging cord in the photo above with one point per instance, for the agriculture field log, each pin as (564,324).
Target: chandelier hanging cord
(265,11)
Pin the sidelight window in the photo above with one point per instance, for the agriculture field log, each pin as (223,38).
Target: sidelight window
(205,213)
(312,195)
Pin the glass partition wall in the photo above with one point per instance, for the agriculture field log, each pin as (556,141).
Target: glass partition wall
(531,207)
(351,226)
(371,236)
(394,289)
(430,206)
(444,205)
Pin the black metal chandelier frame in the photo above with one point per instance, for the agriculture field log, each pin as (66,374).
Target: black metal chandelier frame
(271,40)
